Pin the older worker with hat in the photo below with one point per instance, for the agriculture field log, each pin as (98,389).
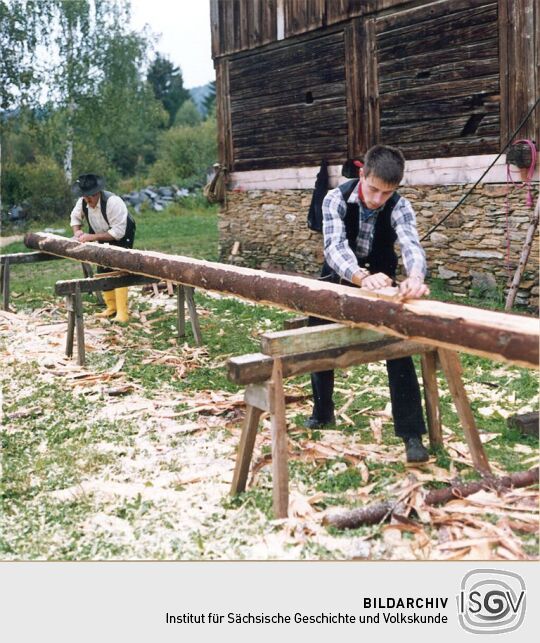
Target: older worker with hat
(109,222)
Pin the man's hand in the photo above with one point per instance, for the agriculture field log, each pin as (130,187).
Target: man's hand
(413,287)
(84,237)
(376,281)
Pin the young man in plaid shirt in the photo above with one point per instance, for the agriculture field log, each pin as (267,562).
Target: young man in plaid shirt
(362,220)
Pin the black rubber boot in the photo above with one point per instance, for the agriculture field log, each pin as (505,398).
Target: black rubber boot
(415,450)
(314,423)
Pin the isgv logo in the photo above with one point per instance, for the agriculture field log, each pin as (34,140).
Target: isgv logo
(491,601)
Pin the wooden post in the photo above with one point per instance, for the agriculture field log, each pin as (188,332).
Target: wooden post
(245,449)
(5,285)
(525,252)
(452,369)
(280,467)
(70,307)
(89,274)
(428,362)
(79,324)
(181,312)
(195,327)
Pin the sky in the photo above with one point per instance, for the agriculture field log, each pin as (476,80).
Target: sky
(184,26)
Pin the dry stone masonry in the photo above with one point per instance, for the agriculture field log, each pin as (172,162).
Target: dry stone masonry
(267,229)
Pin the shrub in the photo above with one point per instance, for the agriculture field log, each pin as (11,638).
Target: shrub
(14,189)
(48,191)
(184,155)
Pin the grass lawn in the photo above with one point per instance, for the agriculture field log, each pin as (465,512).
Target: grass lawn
(132,456)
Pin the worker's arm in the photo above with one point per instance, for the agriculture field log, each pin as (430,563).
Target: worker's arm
(413,255)
(98,236)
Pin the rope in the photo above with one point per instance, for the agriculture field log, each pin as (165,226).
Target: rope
(459,203)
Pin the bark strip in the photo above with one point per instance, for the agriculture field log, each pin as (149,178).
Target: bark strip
(499,336)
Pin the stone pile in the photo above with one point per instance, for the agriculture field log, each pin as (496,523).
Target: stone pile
(156,198)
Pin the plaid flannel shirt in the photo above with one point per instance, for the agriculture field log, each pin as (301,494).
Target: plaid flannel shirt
(337,251)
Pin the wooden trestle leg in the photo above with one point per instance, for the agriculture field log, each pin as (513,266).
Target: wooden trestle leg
(452,369)
(428,363)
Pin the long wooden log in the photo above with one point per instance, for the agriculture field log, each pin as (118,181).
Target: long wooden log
(375,513)
(500,336)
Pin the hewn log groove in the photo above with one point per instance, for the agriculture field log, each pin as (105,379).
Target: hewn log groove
(511,338)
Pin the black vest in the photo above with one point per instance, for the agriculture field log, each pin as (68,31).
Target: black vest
(382,257)
(129,237)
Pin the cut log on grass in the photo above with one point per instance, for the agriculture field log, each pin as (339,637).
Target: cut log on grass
(500,336)
(375,513)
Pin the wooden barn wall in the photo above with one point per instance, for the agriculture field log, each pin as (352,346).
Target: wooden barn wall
(288,103)
(438,79)
(237,25)
(519,31)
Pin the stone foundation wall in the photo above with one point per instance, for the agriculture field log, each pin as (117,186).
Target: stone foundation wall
(267,229)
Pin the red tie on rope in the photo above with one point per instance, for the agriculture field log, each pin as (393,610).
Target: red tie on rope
(527,182)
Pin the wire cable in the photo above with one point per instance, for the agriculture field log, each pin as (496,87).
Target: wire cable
(460,202)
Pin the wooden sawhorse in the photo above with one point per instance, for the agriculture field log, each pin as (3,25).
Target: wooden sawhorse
(72,289)
(318,348)
(6,261)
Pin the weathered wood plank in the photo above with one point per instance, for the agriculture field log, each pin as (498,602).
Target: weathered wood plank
(372,110)
(457,147)
(79,326)
(449,17)
(312,338)
(280,465)
(466,52)
(193,316)
(17,258)
(450,38)
(356,127)
(70,286)
(504,70)
(437,73)
(443,107)
(451,128)
(487,86)
(303,15)
(70,325)
(180,311)
(502,336)
(257,367)
(258,395)
(428,363)
(6,267)
(245,450)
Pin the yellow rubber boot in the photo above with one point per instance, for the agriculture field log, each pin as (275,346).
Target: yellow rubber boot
(110,301)
(122,314)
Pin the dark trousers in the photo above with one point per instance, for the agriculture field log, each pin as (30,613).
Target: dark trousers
(404,394)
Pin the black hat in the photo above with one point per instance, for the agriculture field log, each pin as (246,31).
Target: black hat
(88,184)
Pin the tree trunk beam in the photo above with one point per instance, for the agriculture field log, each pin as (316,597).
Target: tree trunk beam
(498,336)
